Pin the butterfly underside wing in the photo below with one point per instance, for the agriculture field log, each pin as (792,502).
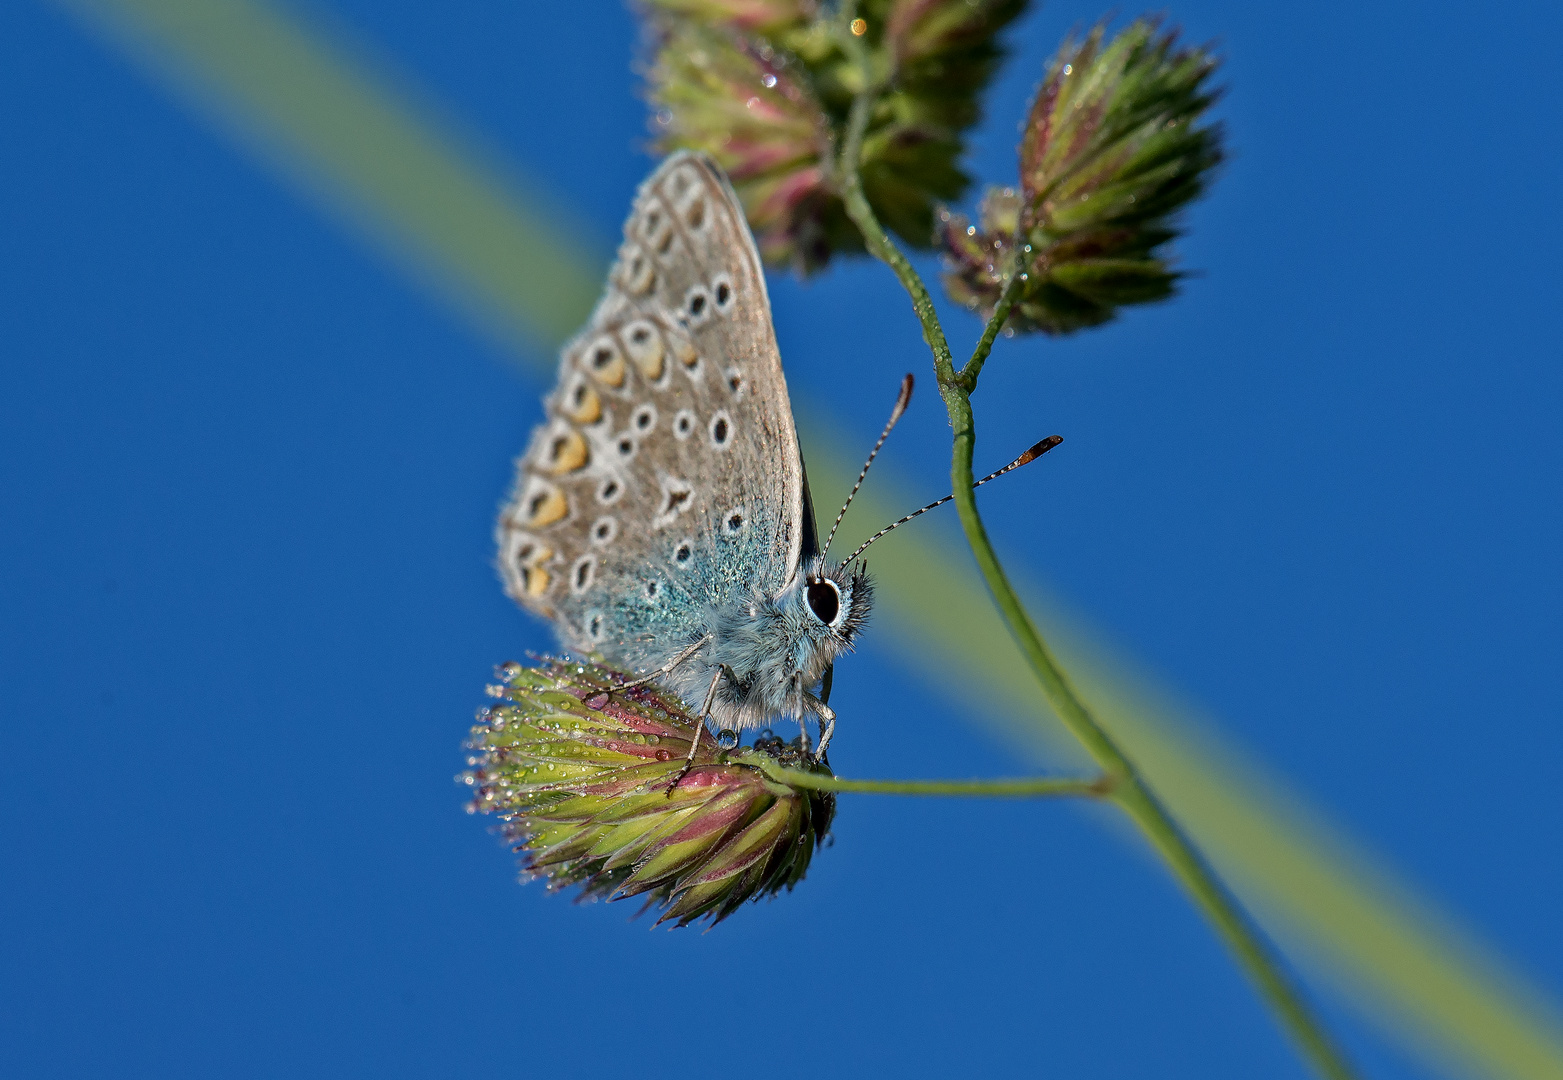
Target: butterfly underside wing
(666,480)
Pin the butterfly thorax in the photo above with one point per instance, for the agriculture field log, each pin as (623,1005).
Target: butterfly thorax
(765,654)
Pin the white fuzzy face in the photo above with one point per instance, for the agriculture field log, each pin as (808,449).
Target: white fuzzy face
(827,609)
(773,652)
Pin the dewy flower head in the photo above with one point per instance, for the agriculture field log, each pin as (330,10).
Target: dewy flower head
(578,774)
(749,106)
(751,16)
(1111,150)
(765,88)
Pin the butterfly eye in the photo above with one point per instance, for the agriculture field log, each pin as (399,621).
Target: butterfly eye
(824,601)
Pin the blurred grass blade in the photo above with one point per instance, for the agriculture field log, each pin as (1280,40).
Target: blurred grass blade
(351,136)
(330,123)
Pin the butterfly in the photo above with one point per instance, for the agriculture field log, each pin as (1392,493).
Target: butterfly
(661,516)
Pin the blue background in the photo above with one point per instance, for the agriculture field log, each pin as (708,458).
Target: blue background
(247,476)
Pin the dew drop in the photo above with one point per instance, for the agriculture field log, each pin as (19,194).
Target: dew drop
(663,755)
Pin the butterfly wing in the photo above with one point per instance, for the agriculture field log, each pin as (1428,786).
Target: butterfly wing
(666,481)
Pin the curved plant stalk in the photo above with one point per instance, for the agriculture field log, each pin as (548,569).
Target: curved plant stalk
(1128,790)
(967,379)
(1029,787)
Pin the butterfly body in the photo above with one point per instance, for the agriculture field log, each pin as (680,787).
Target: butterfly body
(661,516)
(771,651)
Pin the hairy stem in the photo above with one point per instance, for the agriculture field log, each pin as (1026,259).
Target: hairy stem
(880,245)
(1038,787)
(1007,300)
(1128,790)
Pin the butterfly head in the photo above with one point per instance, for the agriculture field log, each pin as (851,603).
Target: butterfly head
(835,599)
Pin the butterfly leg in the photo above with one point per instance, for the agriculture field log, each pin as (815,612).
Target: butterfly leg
(827,717)
(666,668)
(803,712)
(700,727)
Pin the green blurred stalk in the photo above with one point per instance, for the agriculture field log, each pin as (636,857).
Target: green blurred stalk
(347,134)
(374,154)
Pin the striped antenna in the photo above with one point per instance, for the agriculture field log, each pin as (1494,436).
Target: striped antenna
(1024,459)
(901,402)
